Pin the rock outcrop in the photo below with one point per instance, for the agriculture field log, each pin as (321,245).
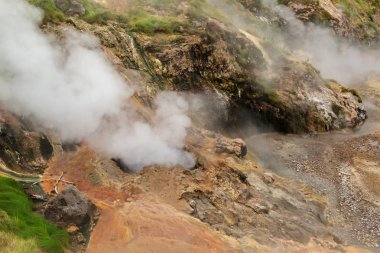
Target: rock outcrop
(350,19)
(70,207)
(239,68)
(21,146)
(71,7)
(73,211)
(294,99)
(235,146)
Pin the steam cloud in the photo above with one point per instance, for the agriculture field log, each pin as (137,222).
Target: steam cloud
(69,86)
(335,58)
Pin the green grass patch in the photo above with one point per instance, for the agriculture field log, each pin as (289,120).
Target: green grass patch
(94,12)
(269,91)
(10,243)
(17,218)
(138,20)
(142,21)
(51,12)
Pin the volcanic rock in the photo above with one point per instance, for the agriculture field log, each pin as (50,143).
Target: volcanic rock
(231,146)
(70,207)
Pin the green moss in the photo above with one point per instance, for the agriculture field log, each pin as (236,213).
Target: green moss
(94,12)
(337,87)
(142,21)
(51,12)
(22,223)
(273,97)
(360,13)
(170,6)
(353,92)
(201,10)
(138,20)
(269,91)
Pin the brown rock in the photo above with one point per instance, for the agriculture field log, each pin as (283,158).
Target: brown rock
(268,178)
(70,207)
(259,208)
(229,146)
(72,230)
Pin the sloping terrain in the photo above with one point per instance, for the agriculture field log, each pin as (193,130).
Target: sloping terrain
(308,191)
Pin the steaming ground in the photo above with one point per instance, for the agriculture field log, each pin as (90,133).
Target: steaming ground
(335,58)
(73,89)
(343,166)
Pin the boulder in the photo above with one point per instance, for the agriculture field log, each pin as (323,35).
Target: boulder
(70,208)
(268,178)
(70,7)
(231,146)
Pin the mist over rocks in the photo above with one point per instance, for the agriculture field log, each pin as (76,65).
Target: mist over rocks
(334,56)
(259,79)
(69,86)
(271,192)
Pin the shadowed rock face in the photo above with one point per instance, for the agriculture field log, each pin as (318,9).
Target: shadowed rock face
(21,147)
(233,63)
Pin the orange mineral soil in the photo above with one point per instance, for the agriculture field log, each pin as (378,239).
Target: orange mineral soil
(131,220)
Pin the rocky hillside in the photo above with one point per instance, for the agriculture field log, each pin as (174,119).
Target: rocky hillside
(201,49)
(357,20)
(234,54)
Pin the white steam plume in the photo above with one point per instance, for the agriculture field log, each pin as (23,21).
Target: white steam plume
(70,86)
(334,57)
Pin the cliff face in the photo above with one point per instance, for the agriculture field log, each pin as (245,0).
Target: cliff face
(229,201)
(248,72)
(212,52)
